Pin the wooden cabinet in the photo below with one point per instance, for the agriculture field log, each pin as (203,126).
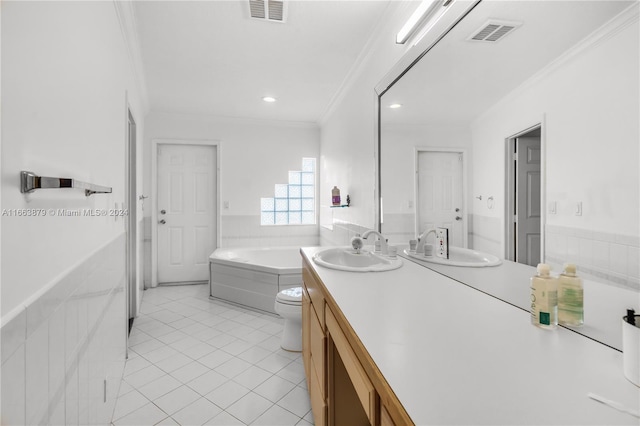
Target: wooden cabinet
(345,386)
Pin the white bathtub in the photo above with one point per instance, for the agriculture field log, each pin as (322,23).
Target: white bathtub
(252,277)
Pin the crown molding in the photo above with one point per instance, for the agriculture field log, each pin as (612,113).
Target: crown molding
(393,9)
(128,25)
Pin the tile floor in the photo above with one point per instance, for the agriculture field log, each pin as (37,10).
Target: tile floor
(196,361)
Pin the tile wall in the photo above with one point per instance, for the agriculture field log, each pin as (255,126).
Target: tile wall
(63,344)
(612,259)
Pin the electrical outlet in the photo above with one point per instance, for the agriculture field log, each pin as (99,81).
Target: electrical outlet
(225,204)
(552,207)
(578,209)
(410,204)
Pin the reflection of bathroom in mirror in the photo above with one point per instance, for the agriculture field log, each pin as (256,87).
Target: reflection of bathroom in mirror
(559,88)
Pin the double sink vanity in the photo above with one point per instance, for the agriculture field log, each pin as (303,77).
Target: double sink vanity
(411,345)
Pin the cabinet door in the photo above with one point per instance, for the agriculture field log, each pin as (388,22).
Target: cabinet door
(352,398)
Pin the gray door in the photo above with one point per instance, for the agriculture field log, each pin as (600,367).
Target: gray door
(528,154)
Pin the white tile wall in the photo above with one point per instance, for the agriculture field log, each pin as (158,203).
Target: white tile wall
(608,258)
(59,348)
(485,234)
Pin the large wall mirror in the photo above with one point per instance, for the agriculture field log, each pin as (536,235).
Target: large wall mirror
(512,84)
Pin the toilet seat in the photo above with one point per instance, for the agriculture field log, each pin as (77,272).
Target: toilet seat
(290,296)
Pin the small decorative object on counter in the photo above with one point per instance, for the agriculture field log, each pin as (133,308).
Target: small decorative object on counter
(335,196)
(570,297)
(544,298)
(348,200)
(631,346)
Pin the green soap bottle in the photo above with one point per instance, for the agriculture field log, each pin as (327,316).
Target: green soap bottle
(544,299)
(570,297)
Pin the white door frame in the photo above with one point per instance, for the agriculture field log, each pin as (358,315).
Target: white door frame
(461,151)
(155,145)
(510,198)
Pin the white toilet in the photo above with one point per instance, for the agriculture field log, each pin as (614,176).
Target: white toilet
(289,306)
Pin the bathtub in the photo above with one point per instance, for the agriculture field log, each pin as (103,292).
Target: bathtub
(252,277)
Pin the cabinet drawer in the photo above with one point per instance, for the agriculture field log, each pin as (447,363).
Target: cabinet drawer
(361,383)
(318,405)
(318,350)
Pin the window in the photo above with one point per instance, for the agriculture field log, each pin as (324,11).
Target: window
(294,203)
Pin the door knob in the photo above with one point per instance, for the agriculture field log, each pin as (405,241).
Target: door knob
(458,218)
(163,211)
(162,222)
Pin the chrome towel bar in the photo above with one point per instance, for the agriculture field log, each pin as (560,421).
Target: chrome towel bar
(30,182)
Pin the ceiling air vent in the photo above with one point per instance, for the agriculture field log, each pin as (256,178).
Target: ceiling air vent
(268,10)
(493,31)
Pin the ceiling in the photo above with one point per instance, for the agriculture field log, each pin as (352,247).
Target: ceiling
(460,79)
(210,57)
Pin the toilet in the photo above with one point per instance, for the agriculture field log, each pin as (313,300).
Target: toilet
(289,306)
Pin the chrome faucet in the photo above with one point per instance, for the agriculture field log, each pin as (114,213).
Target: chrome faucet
(383,241)
(422,240)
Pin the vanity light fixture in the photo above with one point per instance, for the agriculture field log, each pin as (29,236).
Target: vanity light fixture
(395,106)
(425,16)
(269,99)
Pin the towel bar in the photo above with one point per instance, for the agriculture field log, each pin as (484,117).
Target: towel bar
(30,182)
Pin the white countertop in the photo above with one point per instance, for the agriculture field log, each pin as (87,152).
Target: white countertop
(454,355)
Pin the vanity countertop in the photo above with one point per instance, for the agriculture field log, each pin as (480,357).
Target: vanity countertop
(455,355)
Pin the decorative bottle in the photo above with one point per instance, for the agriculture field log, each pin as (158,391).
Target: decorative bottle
(570,297)
(335,196)
(544,298)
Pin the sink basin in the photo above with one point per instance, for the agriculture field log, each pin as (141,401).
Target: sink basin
(346,259)
(459,257)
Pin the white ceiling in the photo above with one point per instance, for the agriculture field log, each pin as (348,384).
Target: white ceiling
(210,57)
(459,79)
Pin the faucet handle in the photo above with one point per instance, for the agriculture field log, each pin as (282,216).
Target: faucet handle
(357,243)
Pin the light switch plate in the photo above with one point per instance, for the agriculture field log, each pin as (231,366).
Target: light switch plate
(578,209)
(552,207)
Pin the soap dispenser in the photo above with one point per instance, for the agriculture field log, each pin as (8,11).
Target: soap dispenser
(570,297)
(544,298)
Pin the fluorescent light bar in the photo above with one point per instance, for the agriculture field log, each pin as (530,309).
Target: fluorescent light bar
(422,14)
(395,106)
(269,99)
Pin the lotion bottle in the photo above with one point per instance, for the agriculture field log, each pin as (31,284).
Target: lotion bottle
(570,297)
(544,298)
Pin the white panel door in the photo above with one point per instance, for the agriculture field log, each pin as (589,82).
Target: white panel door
(528,194)
(440,194)
(186,212)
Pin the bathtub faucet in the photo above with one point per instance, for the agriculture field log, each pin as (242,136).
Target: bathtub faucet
(383,241)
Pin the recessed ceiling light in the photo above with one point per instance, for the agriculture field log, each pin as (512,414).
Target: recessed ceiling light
(395,106)
(269,99)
